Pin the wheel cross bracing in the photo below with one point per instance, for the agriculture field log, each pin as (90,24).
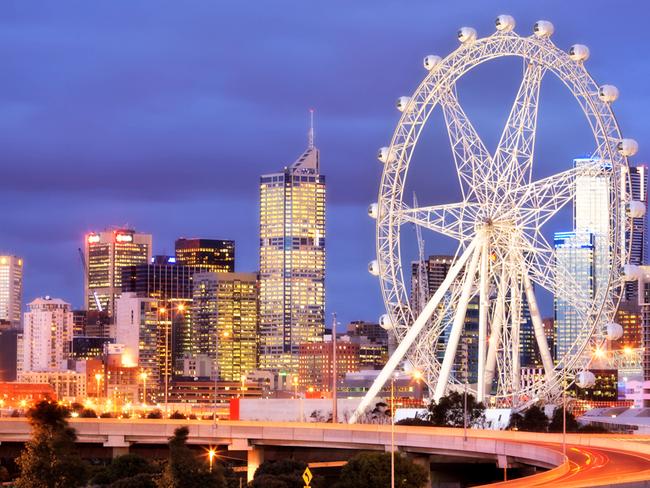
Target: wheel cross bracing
(502,254)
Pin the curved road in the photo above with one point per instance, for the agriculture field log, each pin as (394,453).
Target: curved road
(590,466)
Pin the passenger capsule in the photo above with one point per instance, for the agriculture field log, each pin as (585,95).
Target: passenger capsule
(505,23)
(373,268)
(628,147)
(579,52)
(632,272)
(585,379)
(608,93)
(373,210)
(385,155)
(402,103)
(385,322)
(466,34)
(431,61)
(543,28)
(614,331)
(637,209)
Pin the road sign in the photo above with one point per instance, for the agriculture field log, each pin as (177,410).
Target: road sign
(307,477)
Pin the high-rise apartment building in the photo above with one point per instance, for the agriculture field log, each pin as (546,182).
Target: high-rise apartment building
(47,335)
(11,289)
(292,260)
(210,254)
(637,240)
(224,322)
(106,253)
(574,256)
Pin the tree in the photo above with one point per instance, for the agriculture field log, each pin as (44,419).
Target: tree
(415,421)
(286,473)
(155,414)
(556,424)
(177,415)
(126,469)
(534,420)
(372,469)
(185,470)
(88,413)
(515,422)
(50,458)
(448,412)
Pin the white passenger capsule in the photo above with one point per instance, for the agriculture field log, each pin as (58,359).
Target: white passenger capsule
(505,23)
(466,34)
(385,155)
(628,147)
(608,93)
(579,52)
(614,331)
(402,103)
(637,209)
(631,272)
(543,28)
(373,268)
(385,322)
(585,379)
(431,61)
(373,210)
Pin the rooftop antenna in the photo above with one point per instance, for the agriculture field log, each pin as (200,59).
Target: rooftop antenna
(310,134)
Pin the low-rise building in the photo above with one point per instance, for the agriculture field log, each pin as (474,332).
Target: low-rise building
(68,385)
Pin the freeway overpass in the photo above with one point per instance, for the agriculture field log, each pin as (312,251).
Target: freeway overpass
(592,460)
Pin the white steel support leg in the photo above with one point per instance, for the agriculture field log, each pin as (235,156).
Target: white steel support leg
(538,327)
(456,328)
(484,308)
(495,334)
(413,332)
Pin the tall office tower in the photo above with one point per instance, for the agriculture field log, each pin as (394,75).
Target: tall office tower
(224,322)
(138,327)
(575,256)
(373,343)
(8,352)
(638,240)
(292,260)
(11,289)
(629,316)
(105,254)
(47,334)
(210,254)
(170,285)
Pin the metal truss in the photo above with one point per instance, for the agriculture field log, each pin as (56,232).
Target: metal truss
(499,223)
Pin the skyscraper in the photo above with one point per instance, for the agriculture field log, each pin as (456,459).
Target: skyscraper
(637,240)
(11,289)
(105,254)
(224,316)
(47,335)
(292,260)
(574,256)
(210,254)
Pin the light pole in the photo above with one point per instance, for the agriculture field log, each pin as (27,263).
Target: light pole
(335,414)
(392,430)
(211,454)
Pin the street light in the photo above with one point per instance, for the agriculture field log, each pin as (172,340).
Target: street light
(211,454)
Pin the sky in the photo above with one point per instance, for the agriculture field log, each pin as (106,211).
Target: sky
(161,115)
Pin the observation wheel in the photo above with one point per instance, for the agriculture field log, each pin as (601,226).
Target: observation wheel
(503,257)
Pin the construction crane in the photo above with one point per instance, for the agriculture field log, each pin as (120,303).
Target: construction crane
(85,268)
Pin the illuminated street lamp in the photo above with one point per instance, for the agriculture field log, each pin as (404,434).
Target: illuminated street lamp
(211,455)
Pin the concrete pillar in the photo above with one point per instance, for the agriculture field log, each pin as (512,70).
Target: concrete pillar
(119,451)
(422,460)
(255,458)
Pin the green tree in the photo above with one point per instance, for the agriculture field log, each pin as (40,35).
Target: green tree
(534,420)
(448,412)
(515,422)
(50,458)
(557,421)
(286,473)
(126,468)
(185,469)
(372,469)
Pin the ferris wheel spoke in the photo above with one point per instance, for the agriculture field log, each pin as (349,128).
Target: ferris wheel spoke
(472,158)
(513,158)
(453,220)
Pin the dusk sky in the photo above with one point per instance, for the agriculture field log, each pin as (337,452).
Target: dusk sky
(161,115)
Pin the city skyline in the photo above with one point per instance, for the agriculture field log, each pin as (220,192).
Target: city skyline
(91,175)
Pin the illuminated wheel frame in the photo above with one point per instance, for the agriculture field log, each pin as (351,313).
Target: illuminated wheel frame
(502,254)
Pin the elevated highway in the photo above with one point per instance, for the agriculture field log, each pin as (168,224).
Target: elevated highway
(592,460)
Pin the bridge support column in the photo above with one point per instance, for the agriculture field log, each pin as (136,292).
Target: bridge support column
(119,446)
(255,458)
(424,461)
(119,451)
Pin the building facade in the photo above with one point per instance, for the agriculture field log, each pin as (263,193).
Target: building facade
(315,363)
(225,322)
(213,255)
(47,335)
(637,239)
(292,260)
(11,289)
(106,253)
